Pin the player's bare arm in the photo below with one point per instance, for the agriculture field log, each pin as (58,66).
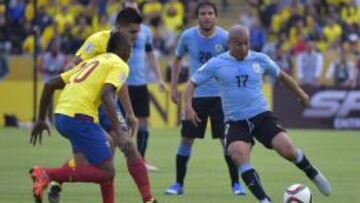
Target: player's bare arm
(175,71)
(40,124)
(73,62)
(131,119)
(291,83)
(190,113)
(154,64)
(122,140)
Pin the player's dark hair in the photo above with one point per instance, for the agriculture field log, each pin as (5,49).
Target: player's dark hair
(128,16)
(203,4)
(120,44)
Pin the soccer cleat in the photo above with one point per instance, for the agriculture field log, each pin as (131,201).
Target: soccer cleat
(265,201)
(54,192)
(238,189)
(175,189)
(152,201)
(322,183)
(41,181)
(150,167)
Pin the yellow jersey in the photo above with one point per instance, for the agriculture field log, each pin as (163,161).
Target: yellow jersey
(82,93)
(94,45)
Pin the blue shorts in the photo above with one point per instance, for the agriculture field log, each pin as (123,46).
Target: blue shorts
(105,121)
(86,137)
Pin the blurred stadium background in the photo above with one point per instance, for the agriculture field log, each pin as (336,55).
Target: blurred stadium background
(316,41)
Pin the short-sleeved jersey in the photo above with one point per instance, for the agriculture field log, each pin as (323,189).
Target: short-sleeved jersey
(94,45)
(142,44)
(82,93)
(200,50)
(240,83)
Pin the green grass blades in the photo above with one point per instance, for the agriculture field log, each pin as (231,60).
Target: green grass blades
(336,153)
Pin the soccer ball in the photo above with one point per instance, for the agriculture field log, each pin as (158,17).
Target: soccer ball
(297,193)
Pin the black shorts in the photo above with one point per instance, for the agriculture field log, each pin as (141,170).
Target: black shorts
(264,127)
(140,102)
(205,107)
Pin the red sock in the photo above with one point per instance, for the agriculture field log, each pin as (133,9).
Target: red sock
(108,191)
(81,173)
(65,165)
(139,174)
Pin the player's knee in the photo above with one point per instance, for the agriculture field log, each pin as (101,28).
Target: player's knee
(111,173)
(187,140)
(143,124)
(239,152)
(133,153)
(288,151)
(109,170)
(284,146)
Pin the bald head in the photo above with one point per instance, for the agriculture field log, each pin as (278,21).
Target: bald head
(239,41)
(238,30)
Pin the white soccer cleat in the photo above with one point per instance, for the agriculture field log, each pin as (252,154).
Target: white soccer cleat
(322,183)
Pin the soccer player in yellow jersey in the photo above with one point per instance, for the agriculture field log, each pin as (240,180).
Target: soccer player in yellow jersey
(128,21)
(84,88)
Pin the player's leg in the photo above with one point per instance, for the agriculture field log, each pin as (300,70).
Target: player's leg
(182,157)
(55,188)
(142,141)
(239,141)
(107,188)
(135,163)
(139,96)
(188,133)
(218,129)
(138,172)
(272,135)
(87,139)
(285,147)
(236,186)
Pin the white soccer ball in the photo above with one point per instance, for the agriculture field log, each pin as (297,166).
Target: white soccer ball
(297,193)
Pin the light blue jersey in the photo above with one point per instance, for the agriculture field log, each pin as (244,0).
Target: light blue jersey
(240,83)
(137,74)
(200,50)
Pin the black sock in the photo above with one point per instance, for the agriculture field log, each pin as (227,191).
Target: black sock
(233,170)
(252,181)
(142,140)
(181,166)
(306,166)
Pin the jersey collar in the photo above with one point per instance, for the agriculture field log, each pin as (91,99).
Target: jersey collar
(201,35)
(233,58)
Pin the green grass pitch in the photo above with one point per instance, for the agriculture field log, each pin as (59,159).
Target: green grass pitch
(336,153)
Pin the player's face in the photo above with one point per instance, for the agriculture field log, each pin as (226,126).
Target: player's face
(131,29)
(239,46)
(206,18)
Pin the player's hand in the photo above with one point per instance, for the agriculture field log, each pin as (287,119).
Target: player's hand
(305,99)
(36,132)
(191,116)
(162,86)
(133,124)
(175,95)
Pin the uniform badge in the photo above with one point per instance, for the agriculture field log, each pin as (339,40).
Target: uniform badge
(256,67)
(219,48)
(89,47)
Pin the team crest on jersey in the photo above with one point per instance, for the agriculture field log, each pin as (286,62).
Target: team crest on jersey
(89,47)
(219,48)
(256,67)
